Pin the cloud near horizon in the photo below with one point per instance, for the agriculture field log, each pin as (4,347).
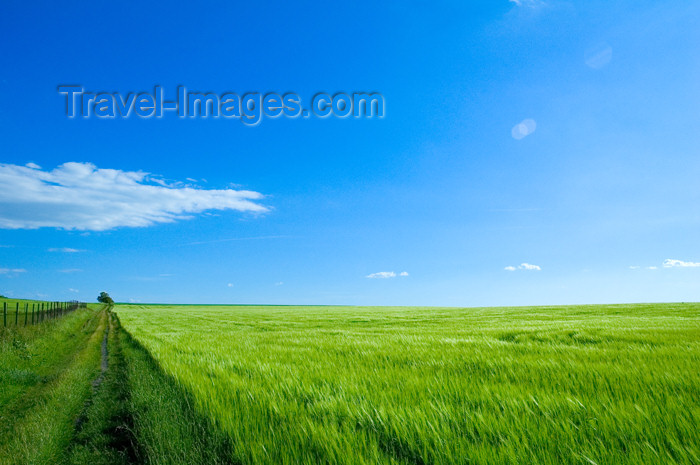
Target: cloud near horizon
(80,196)
(523,266)
(671,263)
(386,274)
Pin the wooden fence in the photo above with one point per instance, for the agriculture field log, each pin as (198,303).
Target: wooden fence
(37,312)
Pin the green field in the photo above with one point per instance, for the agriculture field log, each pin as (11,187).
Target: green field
(206,385)
(616,384)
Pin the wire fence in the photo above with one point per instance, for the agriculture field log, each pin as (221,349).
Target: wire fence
(37,312)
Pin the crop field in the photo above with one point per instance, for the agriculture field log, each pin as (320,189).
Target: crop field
(617,384)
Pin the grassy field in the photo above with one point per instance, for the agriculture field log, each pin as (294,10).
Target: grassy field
(305,385)
(46,372)
(77,390)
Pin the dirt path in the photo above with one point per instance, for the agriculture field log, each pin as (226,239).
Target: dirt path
(104,430)
(105,319)
(104,362)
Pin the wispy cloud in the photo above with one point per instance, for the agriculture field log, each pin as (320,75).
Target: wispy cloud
(12,271)
(70,289)
(523,266)
(382,275)
(528,3)
(513,210)
(80,196)
(386,275)
(233,239)
(65,250)
(598,56)
(672,263)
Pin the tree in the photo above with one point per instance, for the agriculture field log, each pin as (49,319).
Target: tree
(105,298)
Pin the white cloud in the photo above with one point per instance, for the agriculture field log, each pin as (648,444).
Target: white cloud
(280,283)
(65,250)
(523,266)
(651,268)
(671,263)
(382,275)
(33,166)
(10,271)
(634,267)
(523,129)
(73,290)
(386,274)
(229,285)
(80,196)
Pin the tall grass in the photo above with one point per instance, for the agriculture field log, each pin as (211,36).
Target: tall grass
(550,385)
(167,429)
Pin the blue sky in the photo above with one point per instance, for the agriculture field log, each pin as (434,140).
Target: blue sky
(599,202)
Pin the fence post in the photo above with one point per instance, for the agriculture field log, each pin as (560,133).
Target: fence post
(16,313)
(4,313)
(26,313)
(32,313)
